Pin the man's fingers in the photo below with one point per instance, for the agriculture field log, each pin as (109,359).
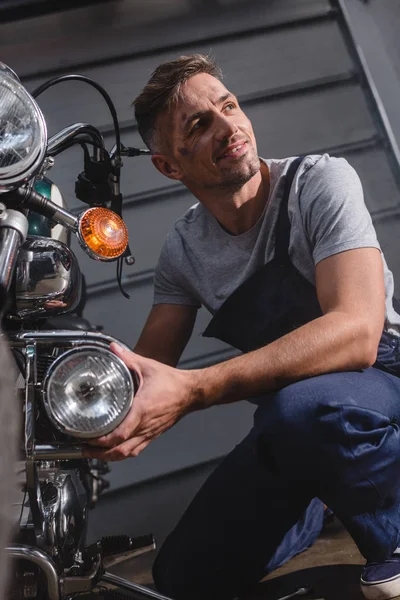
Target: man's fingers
(121,433)
(133,361)
(129,357)
(128,449)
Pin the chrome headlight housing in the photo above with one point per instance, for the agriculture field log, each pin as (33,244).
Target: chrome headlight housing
(23,133)
(87,392)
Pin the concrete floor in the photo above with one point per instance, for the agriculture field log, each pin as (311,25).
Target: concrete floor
(332,567)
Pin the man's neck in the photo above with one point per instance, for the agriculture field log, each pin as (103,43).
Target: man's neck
(239,211)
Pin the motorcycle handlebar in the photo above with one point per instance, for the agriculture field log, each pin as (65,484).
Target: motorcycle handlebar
(57,142)
(29,198)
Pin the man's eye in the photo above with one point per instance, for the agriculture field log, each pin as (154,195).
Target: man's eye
(196,126)
(230,106)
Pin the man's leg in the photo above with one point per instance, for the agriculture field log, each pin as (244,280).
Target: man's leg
(340,432)
(300,537)
(333,436)
(232,529)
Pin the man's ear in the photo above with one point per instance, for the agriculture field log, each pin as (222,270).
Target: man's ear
(166,167)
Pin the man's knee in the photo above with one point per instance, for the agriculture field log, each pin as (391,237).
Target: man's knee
(296,424)
(289,412)
(302,406)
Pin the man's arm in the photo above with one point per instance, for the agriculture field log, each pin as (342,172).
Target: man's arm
(166,332)
(350,288)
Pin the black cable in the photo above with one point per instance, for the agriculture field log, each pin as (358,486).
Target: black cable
(75,77)
(77,140)
(120,264)
(84,147)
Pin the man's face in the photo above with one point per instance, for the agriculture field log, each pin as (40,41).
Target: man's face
(210,141)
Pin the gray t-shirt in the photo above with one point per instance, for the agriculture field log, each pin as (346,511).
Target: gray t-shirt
(202,264)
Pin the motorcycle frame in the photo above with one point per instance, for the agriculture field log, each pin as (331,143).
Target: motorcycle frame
(58,587)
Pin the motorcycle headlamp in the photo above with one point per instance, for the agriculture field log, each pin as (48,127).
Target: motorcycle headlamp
(23,134)
(87,392)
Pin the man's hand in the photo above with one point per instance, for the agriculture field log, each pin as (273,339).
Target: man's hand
(164,396)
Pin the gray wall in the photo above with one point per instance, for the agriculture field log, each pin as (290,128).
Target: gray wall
(288,63)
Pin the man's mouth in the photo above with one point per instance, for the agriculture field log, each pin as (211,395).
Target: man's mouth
(233,151)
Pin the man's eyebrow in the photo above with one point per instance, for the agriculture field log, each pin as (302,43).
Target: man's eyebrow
(200,113)
(223,98)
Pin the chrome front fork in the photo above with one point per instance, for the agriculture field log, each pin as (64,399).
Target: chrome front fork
(61,588)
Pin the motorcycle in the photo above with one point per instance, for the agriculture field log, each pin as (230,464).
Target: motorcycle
(71,387)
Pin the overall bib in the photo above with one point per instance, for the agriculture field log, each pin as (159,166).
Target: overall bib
(334,438)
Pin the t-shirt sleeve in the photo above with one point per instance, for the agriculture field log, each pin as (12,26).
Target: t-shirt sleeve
(334,213)
(168,285)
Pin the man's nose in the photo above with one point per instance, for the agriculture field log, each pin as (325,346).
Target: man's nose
(226,128)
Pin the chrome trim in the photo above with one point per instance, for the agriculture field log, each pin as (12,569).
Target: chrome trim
(67,338)
(43,561)
(65,218)
(11,183)
(64,511)
(48,279)
(9,71)
(13,219)
(56,452)
(13,231)
(132,587)
(57,141)
(82,583)
(10,243)
(32,481)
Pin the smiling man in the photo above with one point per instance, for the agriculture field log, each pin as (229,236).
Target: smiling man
(283,254)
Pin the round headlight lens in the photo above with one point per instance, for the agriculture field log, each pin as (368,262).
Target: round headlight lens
(23,135)
(88,391)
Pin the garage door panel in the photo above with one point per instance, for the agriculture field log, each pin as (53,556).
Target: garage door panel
(124,319)
(309,122)
(265,62)
(128,26)
(379,184)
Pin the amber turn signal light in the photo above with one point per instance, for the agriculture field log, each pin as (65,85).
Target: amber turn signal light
(103,232)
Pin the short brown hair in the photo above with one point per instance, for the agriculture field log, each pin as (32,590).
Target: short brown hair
(164,88)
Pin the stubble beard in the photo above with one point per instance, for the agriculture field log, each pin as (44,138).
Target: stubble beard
(234,179)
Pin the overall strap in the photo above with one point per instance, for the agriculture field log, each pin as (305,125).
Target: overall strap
(282,231)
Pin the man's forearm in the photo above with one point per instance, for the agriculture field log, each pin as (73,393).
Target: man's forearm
(330,343)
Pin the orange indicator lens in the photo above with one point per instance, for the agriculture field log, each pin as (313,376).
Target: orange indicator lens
(104,232)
